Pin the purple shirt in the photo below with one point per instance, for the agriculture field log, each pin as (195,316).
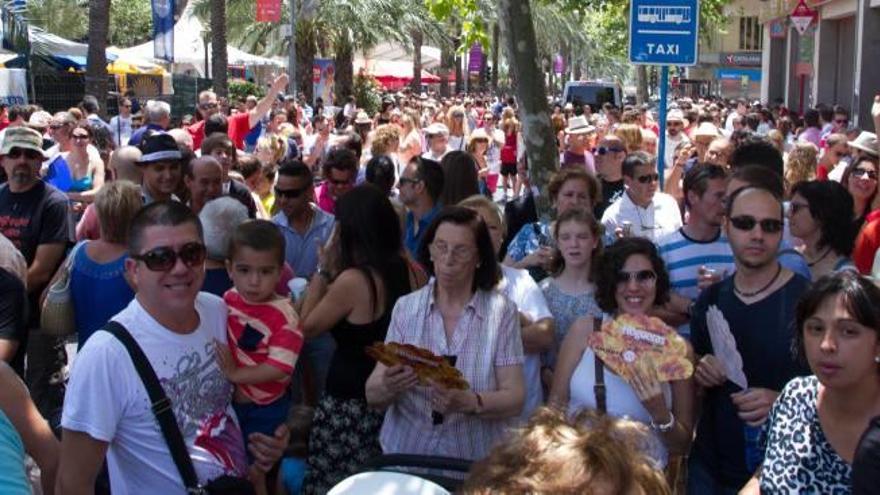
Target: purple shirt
(569,159)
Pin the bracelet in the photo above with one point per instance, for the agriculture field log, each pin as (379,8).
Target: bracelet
(323,274)
(665,427)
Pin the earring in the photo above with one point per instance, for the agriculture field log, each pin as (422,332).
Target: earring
(877,359)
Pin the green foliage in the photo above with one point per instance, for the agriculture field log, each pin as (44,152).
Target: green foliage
(239,90)
(131,22)
(366,93)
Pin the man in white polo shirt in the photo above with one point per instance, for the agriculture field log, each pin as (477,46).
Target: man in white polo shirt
(642,211)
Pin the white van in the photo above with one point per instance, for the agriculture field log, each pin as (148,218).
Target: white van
(593,93)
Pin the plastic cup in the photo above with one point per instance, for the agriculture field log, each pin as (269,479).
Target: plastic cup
(297,287)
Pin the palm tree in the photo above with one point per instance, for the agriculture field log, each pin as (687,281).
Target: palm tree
(218,46)
(96,65)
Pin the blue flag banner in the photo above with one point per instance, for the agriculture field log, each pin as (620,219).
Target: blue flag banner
(163,29)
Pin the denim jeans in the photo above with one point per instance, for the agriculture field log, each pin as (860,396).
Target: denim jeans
(701,482)
(311,371)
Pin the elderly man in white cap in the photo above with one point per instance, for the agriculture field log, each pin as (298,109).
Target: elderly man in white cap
(579,133)
(437,137)
(674,135)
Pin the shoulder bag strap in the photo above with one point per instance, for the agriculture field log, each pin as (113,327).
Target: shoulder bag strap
(160,405)
(599,385)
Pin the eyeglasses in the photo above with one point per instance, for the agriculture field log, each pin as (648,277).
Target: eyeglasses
(793,208)
(56,126)
(407,180)
(163,258)
(126,106)
(840,121)
(601,150)
(290,193)
(79,136)
(674,124)
(863,172)
(746,223)
(641,277)
(28,153)
(208,106)
(458,253)
(647,179)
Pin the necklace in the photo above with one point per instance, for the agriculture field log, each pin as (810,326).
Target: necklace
(811,264)
(762,289)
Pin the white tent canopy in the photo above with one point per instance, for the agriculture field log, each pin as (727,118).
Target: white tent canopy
(391,51)
(189,47)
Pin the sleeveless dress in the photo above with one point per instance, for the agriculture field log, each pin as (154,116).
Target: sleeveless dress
(13,475)
(621,402)
(345,431)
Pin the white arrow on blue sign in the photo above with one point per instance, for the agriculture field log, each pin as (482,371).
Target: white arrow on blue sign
(664,32)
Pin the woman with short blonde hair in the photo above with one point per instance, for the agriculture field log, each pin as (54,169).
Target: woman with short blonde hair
(801,165)
(631,135)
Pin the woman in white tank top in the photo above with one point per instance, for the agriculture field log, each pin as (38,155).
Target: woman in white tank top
(630,279)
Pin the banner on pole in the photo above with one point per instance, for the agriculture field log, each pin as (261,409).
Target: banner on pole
(268,10)
(13,86)
(475,61)
(163,29)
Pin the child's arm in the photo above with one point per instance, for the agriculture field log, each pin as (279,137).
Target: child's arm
(261,373)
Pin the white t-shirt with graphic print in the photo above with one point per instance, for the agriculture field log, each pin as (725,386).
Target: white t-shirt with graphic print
(107,400)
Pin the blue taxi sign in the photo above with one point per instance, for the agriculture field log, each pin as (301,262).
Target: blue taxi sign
(664,32)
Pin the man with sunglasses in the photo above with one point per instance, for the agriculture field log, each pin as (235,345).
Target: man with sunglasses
(306,228)
(239,124)
(650,213)
(339,171)
(107,411)
(420,185)
(33,215)
(609,157)
(757,303)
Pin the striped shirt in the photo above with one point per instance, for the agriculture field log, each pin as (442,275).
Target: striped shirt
(486,337)
(263,333)
(684,257)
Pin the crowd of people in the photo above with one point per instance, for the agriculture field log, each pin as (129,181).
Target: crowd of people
(224,275)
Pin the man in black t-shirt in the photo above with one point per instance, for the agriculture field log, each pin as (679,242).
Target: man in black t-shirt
(34,216)
(757,303)
(609,167)
(13,307)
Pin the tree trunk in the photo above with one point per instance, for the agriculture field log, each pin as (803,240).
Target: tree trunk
(96,65)
(576,71)
(218,47)
(459,78)
(641,84)
(496,40)
(305,57)
(417,39)
(344,60)
(518,30)
(447,63)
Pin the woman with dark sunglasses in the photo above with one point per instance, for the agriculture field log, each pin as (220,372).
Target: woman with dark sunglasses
(87,170)
(630,279)
(860,179)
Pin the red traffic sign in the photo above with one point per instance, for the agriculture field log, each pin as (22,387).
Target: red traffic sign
(802,16)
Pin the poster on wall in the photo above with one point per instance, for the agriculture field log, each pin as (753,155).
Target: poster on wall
(13,86)
(323,78)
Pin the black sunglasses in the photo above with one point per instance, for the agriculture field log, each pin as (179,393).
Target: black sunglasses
(746,223)
(863,172)
(290,193)
(641,276)
(28,153)
(603,150)
(647,179)
(163,258)
(206,106)
(337,182)
(407,180)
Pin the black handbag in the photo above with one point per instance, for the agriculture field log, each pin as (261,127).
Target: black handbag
(161,407)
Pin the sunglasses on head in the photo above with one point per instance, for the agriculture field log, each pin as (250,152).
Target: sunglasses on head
(746,223)
(163,258)
(649,178)
(602,150)
(863,172)
(28,153)
(290,193)
(640,277)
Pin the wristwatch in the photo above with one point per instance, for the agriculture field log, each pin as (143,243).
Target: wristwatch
(324,274)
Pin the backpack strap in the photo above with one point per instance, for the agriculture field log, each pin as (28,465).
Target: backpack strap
(599,385)
(160,405)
